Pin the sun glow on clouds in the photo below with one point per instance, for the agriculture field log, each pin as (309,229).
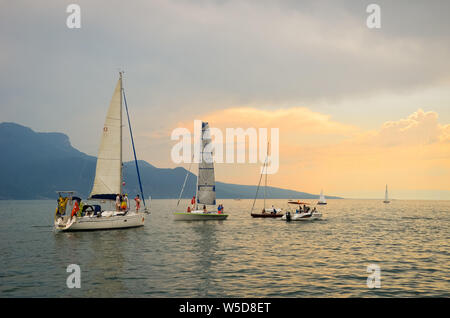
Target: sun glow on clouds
(318,152)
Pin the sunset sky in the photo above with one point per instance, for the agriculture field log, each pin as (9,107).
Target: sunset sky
(357,108)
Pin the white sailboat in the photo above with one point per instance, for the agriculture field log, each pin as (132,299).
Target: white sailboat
(386,197)
(108,182)
(322,200)
(272,212)
(206,187)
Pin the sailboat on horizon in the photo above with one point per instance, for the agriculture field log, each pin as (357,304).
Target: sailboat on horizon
(101,211)
(322,200)
(386,197)
(205,190)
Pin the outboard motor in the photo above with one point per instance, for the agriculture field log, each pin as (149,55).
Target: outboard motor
(288,216)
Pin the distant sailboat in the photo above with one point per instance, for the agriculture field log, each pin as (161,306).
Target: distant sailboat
(322,200)
(386,197)
(108,181)
(206,186)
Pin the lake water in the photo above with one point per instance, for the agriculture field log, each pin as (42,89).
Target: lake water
(239,257)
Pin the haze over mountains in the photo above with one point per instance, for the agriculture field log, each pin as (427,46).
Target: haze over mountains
(36,165)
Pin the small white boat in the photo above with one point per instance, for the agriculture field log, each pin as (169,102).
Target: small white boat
(386,197)
(206,186)
(99,211)
(322,200)
(299,215)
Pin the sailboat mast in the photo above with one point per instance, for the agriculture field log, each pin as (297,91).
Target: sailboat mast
(265,185)
(198,169)
(121,162)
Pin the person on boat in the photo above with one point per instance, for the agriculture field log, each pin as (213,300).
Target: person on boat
(127,202)
(81,209)
(220,209)
(118,202)
(62,205)
(273,210)
(189,209)
(123,205)
(138,202)
(204,208)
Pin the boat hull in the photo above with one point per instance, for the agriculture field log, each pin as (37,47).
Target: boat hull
(266,215)
(102,223)
(303,217)
(321,203)
(190,216)
(386,201)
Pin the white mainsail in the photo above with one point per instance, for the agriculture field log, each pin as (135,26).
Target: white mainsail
(386,198)
(206,186)
(108,173)
(322,197)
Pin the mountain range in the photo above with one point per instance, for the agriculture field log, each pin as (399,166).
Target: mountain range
(35,165)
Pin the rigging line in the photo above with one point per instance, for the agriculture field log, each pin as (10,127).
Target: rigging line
(134,150)
(185,179)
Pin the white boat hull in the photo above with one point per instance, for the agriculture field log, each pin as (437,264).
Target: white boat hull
(199,216)
(304,216)
(88,223)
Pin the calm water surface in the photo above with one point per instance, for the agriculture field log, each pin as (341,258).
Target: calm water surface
(239,257)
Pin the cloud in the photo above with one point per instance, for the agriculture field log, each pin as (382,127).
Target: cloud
(419,128)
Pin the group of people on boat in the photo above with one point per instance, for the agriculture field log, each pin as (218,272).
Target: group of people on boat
(123,203)
(81,209)
(272,211)
(191,207)
(306,209)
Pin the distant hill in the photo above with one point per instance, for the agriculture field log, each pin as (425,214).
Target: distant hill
(36,165)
